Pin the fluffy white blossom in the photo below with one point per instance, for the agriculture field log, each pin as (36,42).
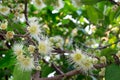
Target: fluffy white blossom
(44,47)
(18,49)
(25,63)
(4,10)
(82,61)
(77,56)
(34,30)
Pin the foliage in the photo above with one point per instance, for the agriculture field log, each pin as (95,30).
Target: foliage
(48,32)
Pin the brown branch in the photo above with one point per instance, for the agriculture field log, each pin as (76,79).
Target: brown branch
(54,66)
(25,12)
(60,77)
(101,47)
(36,75)
(59,51)
(70,73)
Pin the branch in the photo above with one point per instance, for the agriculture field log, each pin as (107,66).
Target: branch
(25,12)
(54,66)
(101,47)
(70,73)
(59,77)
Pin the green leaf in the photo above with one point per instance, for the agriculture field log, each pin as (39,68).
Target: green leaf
(65,21)
(112,72)
(46,70)
(19,74)
(92,14)
(108,52)
(8,60)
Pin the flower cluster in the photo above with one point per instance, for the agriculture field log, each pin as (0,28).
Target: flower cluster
(4,26)
(57,41)
(24,61)
(82,61)
(45,47)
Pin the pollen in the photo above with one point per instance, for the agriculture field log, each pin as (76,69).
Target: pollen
(77,57)
(33,30)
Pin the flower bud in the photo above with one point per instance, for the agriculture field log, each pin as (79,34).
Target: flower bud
(9,35)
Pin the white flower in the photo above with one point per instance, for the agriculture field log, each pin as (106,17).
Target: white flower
(34,30)
(81,61)
(86,64)
(4,10)
(25,63)
(44,47)
(18,49)
(77,56)
(39,4)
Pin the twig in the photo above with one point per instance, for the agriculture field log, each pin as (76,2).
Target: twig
(54,66)
(60,77)
(101,47)
(25,12)
(70,73)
